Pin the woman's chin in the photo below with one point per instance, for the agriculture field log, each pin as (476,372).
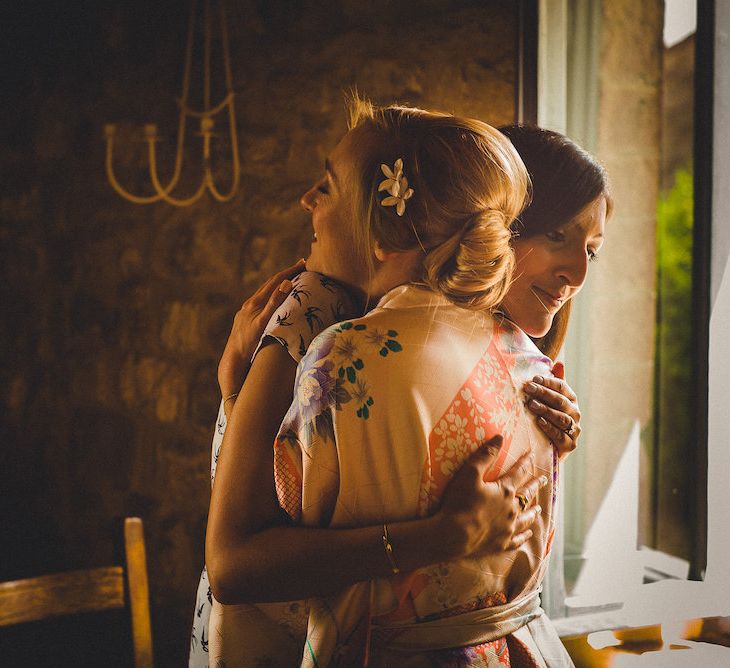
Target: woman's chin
(537,329)
(312,263)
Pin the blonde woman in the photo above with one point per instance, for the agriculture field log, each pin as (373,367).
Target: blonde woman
(437,248)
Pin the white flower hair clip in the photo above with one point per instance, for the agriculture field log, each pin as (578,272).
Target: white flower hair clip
(397,185)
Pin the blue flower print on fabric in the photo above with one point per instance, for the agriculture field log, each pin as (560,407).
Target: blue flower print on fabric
(351,364)
(332,374)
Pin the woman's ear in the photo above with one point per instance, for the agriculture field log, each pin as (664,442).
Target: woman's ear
(383,255)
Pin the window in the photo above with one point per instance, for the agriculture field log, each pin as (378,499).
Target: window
(634,493)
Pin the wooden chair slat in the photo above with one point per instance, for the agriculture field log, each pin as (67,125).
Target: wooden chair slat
(138,591)
(61,594)
(90,590)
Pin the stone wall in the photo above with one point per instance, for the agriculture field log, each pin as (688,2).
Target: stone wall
(114,314)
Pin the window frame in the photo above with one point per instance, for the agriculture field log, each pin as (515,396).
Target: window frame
(675,599)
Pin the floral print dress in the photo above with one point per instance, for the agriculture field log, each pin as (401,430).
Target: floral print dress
(267,634)
(386,409)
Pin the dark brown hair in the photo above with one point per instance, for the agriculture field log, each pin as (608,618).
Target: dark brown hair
(565,179)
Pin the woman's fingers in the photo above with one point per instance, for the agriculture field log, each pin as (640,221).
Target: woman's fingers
(522,531)
(552,398)
(554,385)
(526,519)
(485,456)
(531,488)
(562,442)
(269,287)
(555,424)
(518,539)
(554,402)
(276,299)
(561,419)
(517,475)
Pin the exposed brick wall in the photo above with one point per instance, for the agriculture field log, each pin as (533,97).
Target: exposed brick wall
(114,313)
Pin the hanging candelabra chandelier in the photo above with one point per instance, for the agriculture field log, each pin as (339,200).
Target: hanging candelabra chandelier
(207,123)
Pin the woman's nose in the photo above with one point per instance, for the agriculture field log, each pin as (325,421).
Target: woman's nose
(575,267)
(308,200)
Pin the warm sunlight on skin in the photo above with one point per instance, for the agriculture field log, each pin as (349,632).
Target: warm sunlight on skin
(330,203)
(552,268)
(334,250)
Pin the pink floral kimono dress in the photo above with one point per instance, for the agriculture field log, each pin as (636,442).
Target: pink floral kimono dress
(386,408)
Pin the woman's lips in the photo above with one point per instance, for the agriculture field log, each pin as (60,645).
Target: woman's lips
(547,298)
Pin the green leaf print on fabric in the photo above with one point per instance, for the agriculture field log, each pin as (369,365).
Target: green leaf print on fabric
(364,411)
(349,363)
(385,341)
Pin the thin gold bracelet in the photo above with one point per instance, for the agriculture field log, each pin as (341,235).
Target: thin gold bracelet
(227,399)
(389,551)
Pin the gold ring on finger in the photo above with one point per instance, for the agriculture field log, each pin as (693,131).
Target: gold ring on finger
(570,430)
(523,500)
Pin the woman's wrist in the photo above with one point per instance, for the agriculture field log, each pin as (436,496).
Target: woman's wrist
(430,540)
(231,376)
(453,535)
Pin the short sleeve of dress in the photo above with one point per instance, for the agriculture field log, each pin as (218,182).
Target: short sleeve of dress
(315,303)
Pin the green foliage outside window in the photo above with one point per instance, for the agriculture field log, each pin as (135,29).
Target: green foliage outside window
(674,372)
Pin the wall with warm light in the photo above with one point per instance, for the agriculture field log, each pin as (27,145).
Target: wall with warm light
(115,313)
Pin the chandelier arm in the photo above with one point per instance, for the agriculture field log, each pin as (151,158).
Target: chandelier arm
(208,110)
(211,112)
(136,199)
(235,157)
(162,191)
(206,116)
(189,200)
(218,195)
(182,102)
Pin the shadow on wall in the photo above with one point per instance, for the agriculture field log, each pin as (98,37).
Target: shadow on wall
(115,314)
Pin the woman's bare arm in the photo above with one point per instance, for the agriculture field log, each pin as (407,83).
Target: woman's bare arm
(253,555)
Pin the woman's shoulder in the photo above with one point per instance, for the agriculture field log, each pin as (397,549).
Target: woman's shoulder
(315,303)
(346,347)
(320,298)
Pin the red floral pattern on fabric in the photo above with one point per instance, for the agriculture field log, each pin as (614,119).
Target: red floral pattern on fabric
(486,655)
(288,481)
(520,655)
(486,404)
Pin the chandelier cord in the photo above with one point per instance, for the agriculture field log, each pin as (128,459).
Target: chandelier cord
(206,123)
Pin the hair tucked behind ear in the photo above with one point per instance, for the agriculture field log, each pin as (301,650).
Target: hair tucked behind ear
(469,185)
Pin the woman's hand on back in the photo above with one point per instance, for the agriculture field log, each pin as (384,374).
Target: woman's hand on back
(556,406)
(489,517)
(248,326)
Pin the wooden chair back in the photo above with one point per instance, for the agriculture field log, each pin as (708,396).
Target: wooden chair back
(90,590)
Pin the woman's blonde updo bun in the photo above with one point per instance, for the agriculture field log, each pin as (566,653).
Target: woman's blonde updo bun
(474,268)
(469,185)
